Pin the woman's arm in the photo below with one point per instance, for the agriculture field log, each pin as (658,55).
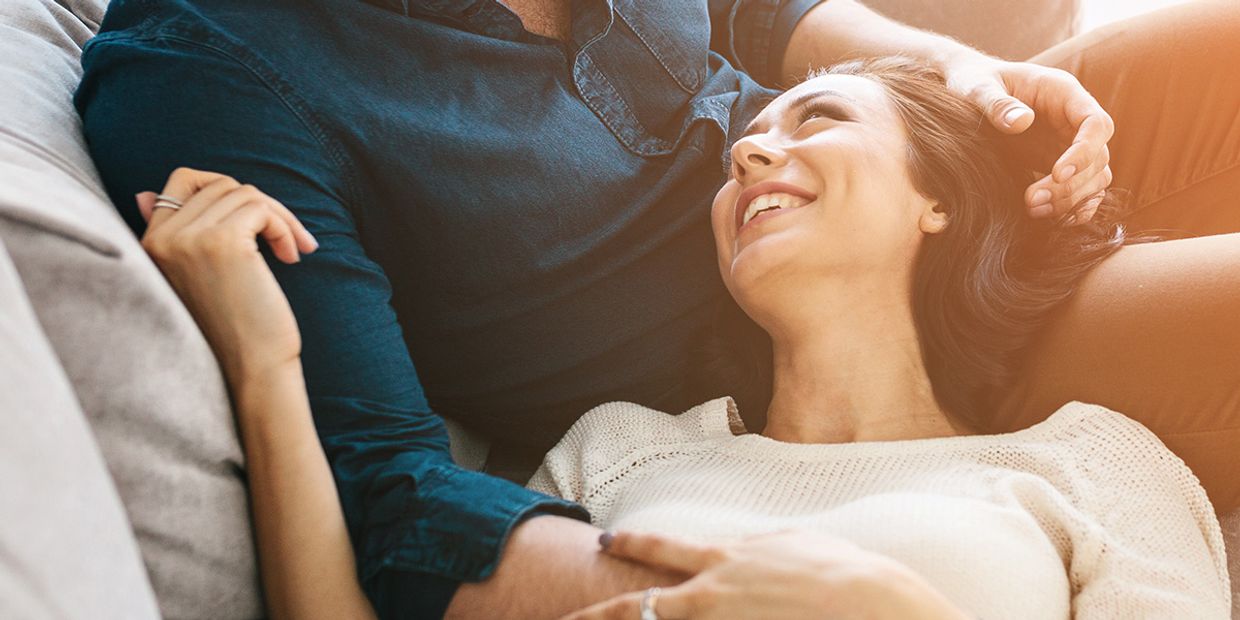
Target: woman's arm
(1145,542)
(207,249)
(307,561)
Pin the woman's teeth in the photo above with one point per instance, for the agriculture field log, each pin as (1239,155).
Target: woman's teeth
(767,202)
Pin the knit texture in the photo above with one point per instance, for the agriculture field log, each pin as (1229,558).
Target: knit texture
(1085,515)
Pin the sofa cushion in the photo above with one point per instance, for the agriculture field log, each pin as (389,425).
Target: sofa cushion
(58,498)
(142,372)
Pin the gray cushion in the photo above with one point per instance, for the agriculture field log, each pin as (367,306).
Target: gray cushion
(67,550)
(141,370)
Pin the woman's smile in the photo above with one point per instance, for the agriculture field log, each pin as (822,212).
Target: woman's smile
(768,199)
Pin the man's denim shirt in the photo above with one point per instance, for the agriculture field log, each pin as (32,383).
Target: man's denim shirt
(526,221)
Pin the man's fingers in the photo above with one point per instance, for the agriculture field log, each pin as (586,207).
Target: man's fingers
(1007,113)
(1087,147)
(664,552)
(1059,192)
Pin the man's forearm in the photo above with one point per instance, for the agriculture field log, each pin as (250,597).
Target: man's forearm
(838,30)
(551,566)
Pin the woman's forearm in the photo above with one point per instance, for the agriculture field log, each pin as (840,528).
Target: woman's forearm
(307,562)
(838,30)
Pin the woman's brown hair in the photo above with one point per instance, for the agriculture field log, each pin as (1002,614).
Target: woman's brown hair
(986,284)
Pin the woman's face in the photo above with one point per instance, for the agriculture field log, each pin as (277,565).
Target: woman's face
(820,195)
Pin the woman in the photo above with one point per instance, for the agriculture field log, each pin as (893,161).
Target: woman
(868,229)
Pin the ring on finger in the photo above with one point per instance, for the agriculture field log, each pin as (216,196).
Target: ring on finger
(164,201)
(649,599)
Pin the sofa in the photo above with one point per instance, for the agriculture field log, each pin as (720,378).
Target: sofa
(124,479)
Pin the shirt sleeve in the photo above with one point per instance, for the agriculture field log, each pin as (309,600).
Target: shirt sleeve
(418,522)
(754,34)
(1150,545)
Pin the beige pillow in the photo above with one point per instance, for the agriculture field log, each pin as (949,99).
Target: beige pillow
(141,370)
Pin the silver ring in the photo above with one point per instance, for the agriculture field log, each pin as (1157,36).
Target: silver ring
(164,201)
(649,599)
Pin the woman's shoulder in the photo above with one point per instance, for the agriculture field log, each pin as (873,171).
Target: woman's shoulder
(1115,457)
(626,424)
(1097,429)
(616,439)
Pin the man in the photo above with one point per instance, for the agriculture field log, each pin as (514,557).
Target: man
(513,199)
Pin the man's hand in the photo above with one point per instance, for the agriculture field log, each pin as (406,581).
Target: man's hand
(1017,97)
(1014,95)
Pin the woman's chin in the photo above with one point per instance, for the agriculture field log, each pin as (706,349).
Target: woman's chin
(756,268)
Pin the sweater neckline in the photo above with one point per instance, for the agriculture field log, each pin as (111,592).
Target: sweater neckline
(721,421)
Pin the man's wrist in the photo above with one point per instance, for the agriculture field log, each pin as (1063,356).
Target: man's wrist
(838,30)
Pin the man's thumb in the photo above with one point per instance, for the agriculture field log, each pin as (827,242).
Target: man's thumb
(1008,114)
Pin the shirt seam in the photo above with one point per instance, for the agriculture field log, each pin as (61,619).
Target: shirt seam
(285,95)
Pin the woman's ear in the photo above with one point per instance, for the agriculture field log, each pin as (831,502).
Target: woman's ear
(933,219)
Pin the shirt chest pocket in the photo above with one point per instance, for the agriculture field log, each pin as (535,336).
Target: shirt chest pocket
(640,74)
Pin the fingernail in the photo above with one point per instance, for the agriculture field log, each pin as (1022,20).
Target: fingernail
(137,198)
(1013,115)
(604,539)
(1041,211)
(1041,196)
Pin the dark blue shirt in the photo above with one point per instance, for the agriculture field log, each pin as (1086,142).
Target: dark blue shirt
(524,221)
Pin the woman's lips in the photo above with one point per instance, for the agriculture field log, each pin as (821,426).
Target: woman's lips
(765,187)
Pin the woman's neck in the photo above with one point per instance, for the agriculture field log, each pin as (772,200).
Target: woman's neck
(852,371)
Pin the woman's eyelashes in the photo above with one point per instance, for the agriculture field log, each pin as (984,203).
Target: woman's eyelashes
(822,109)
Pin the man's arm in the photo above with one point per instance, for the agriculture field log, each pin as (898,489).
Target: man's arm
(420,525)
(837,30)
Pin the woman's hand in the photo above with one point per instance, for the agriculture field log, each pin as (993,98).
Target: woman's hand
(1074,128)
(208,251)
(787,575)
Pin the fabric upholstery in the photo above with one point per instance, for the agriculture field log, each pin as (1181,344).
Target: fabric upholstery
(143,376)
(68,551)
(142,372)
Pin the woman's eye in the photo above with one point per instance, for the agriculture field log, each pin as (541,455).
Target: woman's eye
(818,112)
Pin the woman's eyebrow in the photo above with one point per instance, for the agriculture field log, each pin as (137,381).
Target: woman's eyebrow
(801,101)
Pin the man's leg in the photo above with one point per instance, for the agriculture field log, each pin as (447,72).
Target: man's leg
(1155,331)
(1171,81)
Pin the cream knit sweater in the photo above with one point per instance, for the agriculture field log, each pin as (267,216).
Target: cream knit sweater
(1086,514)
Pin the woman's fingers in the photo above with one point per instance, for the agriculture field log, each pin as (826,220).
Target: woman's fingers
(675,603)
(209,199)
(664,552)
(182,184)
(260,218)
(146,204)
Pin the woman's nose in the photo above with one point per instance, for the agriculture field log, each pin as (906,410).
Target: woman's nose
(749,155)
